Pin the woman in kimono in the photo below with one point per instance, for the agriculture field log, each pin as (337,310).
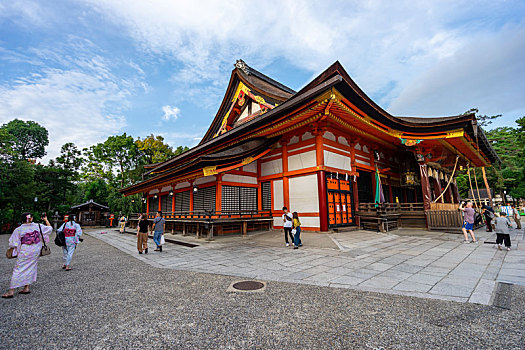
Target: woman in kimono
(72,232)
(27,241)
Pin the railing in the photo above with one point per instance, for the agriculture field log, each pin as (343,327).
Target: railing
(205,214)
(201,222)
(444,219)
(387,216)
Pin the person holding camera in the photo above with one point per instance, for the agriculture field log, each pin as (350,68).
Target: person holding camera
(72,234)
(468,221)
(26,244)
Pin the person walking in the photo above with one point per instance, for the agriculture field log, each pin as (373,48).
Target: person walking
(488,212)
(502,224)
(159,224)
(143,228)
(26,241)
(516,217)
(468,221)
(72,233)
(287,225)
(122,222)
(297,235)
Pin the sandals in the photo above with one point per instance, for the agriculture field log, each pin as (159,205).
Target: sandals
(7,296)
(24,292)
(68,269)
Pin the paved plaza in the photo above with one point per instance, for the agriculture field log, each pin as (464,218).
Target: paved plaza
(112,300)
(405,262)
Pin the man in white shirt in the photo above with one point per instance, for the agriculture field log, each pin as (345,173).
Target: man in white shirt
(287,225)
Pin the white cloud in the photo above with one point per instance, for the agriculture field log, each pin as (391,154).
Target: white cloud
(488,74)
(385,46)
(72,105)
(170,113)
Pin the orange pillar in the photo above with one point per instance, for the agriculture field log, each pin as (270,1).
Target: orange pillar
(218,194)
(191,197)
(321,180)
(147,205)
(286,185)
(160,202)
(173,198)
(259,189)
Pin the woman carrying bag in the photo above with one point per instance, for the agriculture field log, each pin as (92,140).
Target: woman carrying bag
(26,243)
(72,232)
(296,231)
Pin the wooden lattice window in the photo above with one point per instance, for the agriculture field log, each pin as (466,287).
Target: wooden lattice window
(266,192)
(204,199)
(182,201)
(165,203)
(239,199)
(153,204)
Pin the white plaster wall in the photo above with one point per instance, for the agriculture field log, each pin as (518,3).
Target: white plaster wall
(240,179)
(165,189)
(302,161)
(309,221)
(277,195)
(307,136)
(328,135)
(335,160)
(342,141)
(252,167)
(182,185)
(305,221)
(271,167)
(304,196)
(293,140)
(204,180)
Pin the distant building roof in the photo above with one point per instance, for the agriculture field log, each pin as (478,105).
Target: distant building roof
(90,203)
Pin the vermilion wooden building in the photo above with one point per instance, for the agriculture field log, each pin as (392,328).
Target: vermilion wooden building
(314,151)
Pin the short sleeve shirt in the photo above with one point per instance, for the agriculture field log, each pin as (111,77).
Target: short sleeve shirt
(144,225)
(288,223)
(469,215)
(159,224)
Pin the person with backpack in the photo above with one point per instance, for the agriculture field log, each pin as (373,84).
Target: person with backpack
(488,212)
(287,225)
(72,233)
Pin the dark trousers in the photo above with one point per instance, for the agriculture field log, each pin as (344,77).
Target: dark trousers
(500,237)
(288,232)
(488,221)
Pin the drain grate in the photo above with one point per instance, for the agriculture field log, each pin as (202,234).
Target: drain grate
(503,297)
(247,286)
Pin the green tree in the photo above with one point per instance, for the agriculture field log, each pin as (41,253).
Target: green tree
(119,154)
(29,139)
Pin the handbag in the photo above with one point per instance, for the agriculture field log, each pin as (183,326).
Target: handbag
(294,231)
(45,249)
(9,254)
(162,240)
(60,239)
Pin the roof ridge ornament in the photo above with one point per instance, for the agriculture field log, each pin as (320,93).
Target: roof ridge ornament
(240,64)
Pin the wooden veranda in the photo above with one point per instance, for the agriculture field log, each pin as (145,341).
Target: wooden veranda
(210,223)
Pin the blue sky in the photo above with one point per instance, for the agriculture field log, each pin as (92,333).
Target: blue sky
(93,68)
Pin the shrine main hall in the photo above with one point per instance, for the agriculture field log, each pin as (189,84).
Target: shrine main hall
(327,152)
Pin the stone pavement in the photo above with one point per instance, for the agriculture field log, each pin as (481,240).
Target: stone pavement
(404,262)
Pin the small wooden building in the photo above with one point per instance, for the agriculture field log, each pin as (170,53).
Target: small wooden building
(90,213)
(320,151)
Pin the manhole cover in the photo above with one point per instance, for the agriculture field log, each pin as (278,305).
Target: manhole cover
(247,286)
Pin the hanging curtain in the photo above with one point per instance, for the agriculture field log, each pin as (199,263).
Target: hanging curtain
(380,197)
